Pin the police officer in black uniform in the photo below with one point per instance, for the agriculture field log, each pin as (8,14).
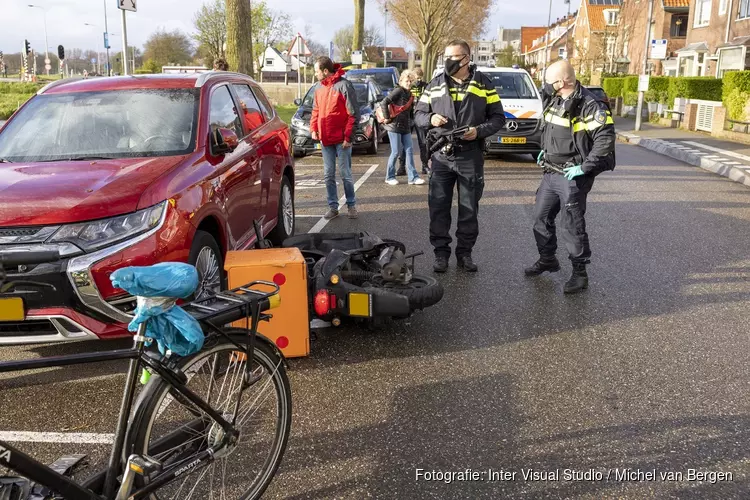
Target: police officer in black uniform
(579,143)
(459,97)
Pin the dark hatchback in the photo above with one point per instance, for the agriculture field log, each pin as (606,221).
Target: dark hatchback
(367,133)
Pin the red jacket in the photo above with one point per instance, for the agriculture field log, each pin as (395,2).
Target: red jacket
(335,110)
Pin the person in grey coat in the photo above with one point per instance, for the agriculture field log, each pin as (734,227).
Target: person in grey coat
(399,129)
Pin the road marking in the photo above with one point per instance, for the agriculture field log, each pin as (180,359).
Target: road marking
(57,437)
(733,162)
(306,216)
(342,201)
(718,150)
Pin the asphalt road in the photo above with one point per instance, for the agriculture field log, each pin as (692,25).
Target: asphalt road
(645,371)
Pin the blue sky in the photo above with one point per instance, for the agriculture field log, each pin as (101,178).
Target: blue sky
(66,18)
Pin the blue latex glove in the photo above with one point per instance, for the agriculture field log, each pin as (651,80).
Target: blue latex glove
(572,172)
(539,157)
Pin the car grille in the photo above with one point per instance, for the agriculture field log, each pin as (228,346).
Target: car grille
(30,327)
(525,127)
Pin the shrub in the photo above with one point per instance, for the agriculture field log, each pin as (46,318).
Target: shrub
(631,84)
(735,94)
(613,87)
(19,88)
(697,87)
(630,98)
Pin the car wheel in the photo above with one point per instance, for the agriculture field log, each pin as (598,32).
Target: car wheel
(534,156)
(373,148)
(205,255)
(285,221)
(297,153)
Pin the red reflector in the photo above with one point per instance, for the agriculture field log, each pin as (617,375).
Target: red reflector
(321,303)
(279,279)
(333,302)
(282,342)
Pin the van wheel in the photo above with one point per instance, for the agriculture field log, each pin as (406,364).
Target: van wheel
(205,255)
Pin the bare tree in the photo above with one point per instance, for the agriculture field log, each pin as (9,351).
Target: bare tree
(343,39)
(211,24)
(239,36)
(429,24)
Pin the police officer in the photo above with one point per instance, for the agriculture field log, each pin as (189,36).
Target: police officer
(579,143)
(417,89)
(459,96)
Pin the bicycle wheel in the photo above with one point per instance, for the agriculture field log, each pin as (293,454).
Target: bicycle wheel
(173,430)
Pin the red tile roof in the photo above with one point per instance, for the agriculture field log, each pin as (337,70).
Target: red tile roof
(597,22)
(398,54)
(528,35)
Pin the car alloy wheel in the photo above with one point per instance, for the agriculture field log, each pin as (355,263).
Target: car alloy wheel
(287,208)
(209,273)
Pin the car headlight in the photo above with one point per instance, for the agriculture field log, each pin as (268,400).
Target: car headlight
(299,123)
(94,235)
(365,118)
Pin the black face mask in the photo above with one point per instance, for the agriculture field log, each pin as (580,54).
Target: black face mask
(549,89)
(452,67)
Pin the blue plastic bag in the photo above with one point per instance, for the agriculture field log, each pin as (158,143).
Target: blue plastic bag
(157,288)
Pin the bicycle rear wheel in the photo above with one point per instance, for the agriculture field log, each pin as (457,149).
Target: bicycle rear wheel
(173,431)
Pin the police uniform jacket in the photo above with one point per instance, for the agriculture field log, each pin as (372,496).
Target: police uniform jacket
(591,127)
(480,105)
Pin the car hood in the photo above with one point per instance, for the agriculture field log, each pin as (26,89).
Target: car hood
(65,192)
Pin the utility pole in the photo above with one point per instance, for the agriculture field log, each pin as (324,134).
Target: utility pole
(124,45)
(639,109)
(546,43)
(385,37)
(106,45)
(567,31)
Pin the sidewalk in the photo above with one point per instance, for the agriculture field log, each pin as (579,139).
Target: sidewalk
(727,158)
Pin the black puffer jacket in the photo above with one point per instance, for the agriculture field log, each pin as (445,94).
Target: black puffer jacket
(402,123)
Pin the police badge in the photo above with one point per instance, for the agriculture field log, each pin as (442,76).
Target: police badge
(601,116)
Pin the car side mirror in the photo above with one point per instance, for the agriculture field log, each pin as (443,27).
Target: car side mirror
(223,141)
(298,102)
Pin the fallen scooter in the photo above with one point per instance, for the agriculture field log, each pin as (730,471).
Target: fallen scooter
(361,276)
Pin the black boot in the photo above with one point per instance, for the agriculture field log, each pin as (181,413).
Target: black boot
(441,264)
(542,265)
(467,264)
(579,280)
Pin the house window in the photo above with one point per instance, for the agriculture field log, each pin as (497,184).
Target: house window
(611,17)
(744,9)
(678,28)
(611,47)
(703,13)
(269,61)
(625,48)
(730,60)
(561,52)
(723,7)
(389,54)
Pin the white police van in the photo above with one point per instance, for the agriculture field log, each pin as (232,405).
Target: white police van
(522,104)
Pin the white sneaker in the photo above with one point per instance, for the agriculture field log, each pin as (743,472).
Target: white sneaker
(419,181)
(392,182)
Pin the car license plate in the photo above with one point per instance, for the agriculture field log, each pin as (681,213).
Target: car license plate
(11,309)
(360,304)
(317,145)
(513,140)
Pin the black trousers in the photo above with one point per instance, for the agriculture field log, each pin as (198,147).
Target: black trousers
(422,140)
(465,170)
(556,194)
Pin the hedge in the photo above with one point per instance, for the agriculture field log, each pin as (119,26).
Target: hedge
(613,87)
(697,87)
(658,90)
(736,93)
(631,84)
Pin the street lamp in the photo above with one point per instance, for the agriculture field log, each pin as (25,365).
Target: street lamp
(46,42)
(385,37)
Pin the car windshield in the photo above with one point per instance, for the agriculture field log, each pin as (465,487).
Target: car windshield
(359,88)
(102,124)
(513,85)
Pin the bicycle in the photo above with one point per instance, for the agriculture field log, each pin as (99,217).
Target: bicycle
(170,433)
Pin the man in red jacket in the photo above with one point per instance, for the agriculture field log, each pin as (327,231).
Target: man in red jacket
(334,114)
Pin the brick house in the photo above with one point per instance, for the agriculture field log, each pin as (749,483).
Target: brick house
(397,56)
(596,35)
(548,46)
(669,22)
(717,38)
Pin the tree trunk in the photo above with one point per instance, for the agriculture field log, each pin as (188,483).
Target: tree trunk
(239,37)
(359,25)
(428,60)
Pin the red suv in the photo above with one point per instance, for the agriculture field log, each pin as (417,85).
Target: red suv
(131,171)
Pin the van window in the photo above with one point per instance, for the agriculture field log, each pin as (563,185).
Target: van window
(513,85)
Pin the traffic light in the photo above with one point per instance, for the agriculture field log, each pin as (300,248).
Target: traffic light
(60,52)
(27,46)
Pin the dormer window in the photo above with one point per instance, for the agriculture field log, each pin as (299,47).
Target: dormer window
(610,16)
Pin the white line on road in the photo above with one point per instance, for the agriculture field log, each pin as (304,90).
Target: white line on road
(306,216)
(733,162)
(342,201)
(57,437)
(718,150)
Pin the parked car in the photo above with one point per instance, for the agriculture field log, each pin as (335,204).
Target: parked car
(367,133)
(132,171)
(386,78)
(522,104)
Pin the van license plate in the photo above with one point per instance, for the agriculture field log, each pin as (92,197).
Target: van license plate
(11,309)
(513,140)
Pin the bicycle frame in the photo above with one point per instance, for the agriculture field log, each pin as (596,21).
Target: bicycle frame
(17,461)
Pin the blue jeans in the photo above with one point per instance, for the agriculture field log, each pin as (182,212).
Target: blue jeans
(344,156)
(399,143)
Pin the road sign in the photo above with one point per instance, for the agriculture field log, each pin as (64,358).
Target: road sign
(46,60)
(106,40)
(643,83)
(126,5)
(93,60)
(659,49)
(47,67)
(356,57)
(294,48)
(330,50)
